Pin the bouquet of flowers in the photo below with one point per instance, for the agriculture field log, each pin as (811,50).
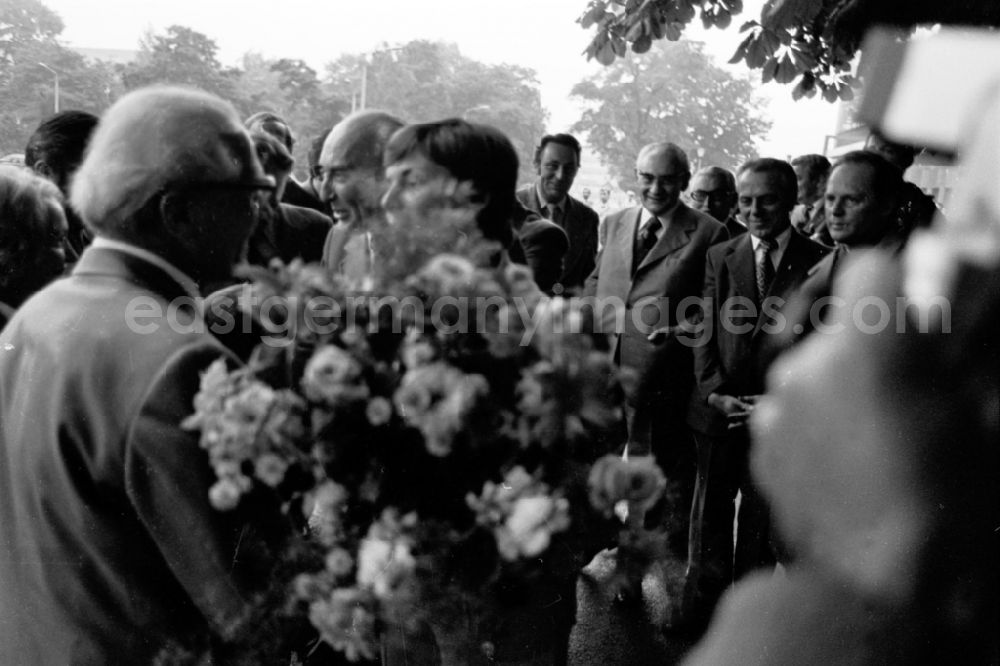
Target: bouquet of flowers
(444,442)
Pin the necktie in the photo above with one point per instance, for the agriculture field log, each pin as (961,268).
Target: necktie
(552,213)
(647,239)
(765,268)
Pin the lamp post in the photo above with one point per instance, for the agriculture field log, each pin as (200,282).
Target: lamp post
(363,101)
(55,103)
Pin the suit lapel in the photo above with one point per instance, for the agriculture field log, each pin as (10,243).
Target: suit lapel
(625,238)
(740,261)
(675,236)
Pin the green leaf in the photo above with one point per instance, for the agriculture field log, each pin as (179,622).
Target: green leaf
(605,55)
(786,70)
(830,93)
(673,31)
(642,45)
(656,28)
(770,68)
(846,93)
(635,31)
(741,50)
(618,46)
(724,20)
(757,54)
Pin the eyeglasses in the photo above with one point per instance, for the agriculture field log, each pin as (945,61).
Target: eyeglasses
(716,196)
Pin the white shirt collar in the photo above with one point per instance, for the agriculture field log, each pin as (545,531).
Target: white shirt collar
(782,240)
(645,216)
(179,276)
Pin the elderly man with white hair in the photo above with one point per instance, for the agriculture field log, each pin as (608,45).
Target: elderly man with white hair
(109,547)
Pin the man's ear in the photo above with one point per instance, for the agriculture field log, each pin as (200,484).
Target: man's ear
(42,168)
(174,215)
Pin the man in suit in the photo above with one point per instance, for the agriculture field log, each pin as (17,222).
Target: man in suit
(748,281)
(557,160)
(109,546)
(653,258)
(713,191)
(811,172)
(353,182)
(861,202)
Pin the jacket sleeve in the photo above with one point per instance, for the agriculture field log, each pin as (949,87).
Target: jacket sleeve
(219,558)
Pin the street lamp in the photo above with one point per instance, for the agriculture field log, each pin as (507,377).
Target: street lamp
(55,102)
(364,74)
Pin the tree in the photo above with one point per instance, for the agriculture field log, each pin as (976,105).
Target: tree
(809,42)
(674,93)
(28,32)
(182,56)
(423,81)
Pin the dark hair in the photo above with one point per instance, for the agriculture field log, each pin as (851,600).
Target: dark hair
(567,140)
(782,169)
(887,178)
(273,154)
(472,152)
(316,149)
(274,125)
(60,141)
(816,165)
(25,232)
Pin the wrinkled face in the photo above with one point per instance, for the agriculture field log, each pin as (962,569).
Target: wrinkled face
(557,167)
(854,216)
(762,204)
(416,188)
(708,194)
(810,189)
(351,189)
(661,178)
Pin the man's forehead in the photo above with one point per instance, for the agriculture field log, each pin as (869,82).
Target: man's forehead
(856,176)
(659,163)
(707,182)
(349,150)
(557,151)
(759,180)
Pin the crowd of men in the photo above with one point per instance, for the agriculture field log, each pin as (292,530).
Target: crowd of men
(109,545)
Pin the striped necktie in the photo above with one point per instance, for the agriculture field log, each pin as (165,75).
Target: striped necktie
(765,267)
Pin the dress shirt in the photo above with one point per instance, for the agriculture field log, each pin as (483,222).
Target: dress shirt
(781,239)
(664,219)
(555,211)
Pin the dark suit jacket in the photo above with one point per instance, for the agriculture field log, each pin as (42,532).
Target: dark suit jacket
(732,356)
(295,232)
(108,544)
(579,221)
(297,195)
(542,246)
(672,271)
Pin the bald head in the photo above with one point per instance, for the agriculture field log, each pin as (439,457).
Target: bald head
(351,164)
(359,140)
(663,173)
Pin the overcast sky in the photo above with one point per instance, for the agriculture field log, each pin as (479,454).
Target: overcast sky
(541,34)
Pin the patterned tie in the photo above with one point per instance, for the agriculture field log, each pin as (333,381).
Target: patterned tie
(647,239)
(765,268)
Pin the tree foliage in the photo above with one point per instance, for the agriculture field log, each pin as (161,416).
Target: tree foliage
(674,93)
(28,32)
(423,80)
(182,56)
(811,43)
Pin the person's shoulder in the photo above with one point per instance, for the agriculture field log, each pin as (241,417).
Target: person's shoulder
(524,194)
(807,247)
(302,216)
(581,209)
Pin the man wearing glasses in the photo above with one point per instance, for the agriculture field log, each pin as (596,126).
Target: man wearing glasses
(713,191)
(111,548)
(653,258)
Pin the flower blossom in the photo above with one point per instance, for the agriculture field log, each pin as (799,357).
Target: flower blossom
(333,377)
(640,482)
